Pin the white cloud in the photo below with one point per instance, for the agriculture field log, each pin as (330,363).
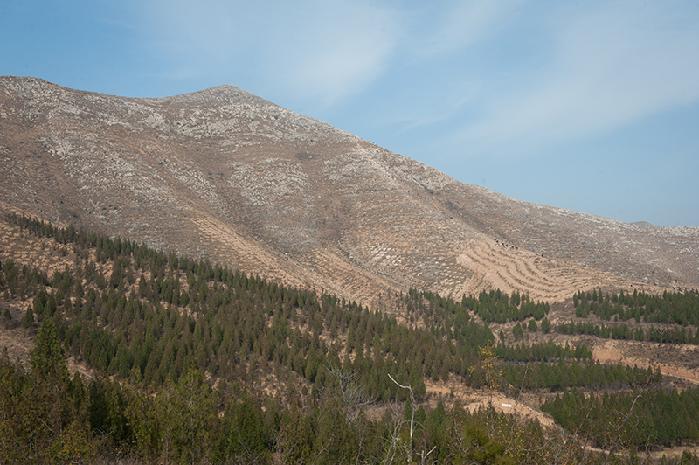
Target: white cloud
(466,23)
(611,67)
(342,49)
(434,105)
(437,94)
(319,51)
(604,66)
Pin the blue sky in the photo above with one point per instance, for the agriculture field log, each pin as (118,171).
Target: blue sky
(587,105)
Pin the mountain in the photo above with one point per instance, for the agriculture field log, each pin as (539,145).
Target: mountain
(225,174)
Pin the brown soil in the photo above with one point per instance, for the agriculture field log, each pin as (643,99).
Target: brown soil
(643,355)
(498,265)
(473,399)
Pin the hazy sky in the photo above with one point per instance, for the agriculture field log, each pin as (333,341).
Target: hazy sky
(587,105)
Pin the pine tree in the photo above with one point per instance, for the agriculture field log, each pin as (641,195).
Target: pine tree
(28,318)
(532,326)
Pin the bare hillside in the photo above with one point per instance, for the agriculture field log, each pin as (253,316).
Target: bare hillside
(225,174)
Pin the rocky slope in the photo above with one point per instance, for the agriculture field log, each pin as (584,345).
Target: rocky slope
(225,174)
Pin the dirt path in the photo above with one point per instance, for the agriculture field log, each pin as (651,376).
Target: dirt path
(667,452)
(612,351)
(473,399)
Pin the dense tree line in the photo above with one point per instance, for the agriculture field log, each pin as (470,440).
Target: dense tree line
(681,307)
(50,417)
(495,306)
(152,314)
(676,335)
(563,375)
(227,327)
(637,419)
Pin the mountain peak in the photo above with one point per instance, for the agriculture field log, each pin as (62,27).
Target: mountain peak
(225,91)
(225,174)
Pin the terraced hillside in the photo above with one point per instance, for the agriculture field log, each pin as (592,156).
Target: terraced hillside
(224,174)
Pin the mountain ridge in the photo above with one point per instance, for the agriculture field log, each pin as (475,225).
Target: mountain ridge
(226,174)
